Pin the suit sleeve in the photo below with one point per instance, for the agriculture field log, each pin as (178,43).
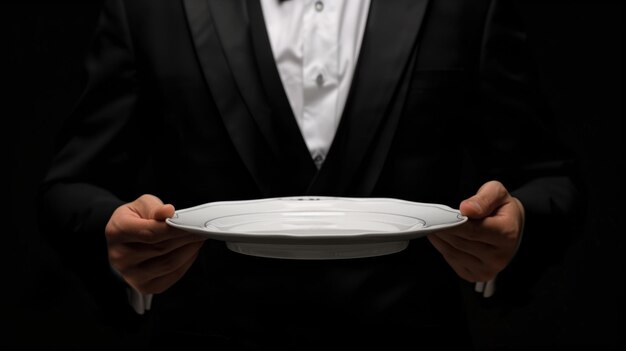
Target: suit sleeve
(86,181)
(517,142)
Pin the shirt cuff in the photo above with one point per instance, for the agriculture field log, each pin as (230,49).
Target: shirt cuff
(487,289)
(138,301)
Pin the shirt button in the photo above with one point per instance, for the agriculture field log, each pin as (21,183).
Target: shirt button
(319,80)
(318,159)
(319,6)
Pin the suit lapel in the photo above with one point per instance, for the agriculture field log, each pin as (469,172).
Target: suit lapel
(268,141)
(245,84)
(375,100)
(293,143)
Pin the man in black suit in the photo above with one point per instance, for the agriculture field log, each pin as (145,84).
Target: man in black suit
(194,101)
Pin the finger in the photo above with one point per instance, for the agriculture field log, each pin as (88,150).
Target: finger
(129,254)
(499,229)
(164,212)
(163,265)
(492,257)
(461,242)
(474,230)
(147,231)
(162,283)
(489,197)
(167,246)
(457,260)
(151,207)
(145,205)
(489,235)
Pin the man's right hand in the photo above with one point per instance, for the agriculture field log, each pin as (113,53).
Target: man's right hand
(148,253)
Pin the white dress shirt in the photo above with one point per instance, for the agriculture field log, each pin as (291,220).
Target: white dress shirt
(316,46)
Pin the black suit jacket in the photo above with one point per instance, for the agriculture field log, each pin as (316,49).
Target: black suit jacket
(183,100)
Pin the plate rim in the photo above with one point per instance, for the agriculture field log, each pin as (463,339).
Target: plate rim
(315,239)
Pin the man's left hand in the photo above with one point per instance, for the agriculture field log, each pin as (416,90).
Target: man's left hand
(483,246)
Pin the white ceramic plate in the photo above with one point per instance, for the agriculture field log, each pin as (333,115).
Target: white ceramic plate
(316,227)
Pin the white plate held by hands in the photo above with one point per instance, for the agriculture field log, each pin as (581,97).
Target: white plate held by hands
(316,227)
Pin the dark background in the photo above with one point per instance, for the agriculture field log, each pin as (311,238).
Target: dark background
(578,46)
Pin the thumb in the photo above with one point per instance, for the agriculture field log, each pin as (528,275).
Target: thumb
(489,197)
(164,212)
(151,207)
